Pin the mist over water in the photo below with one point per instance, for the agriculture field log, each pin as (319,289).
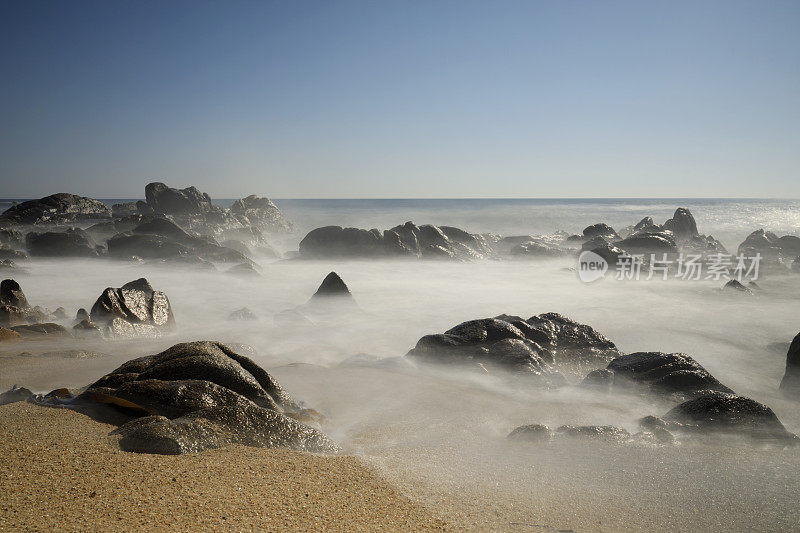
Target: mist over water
(436,433)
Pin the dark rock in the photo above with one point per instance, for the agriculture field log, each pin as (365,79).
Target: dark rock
(126,245)
(242,314)
(166,200)
(790,384)
(124,209)
(203,395)
(735,286)
(15,394)
(531,433)
(47,329)
(55,209)
(8,335)
(602,379)
(671,373)
(729,413)
(682,224)
(13,255)
(73,242)
(649,243)
(600,230)
(60,313)
(11,294)
(262,213)
(575,342)
(332,285)
(82,314)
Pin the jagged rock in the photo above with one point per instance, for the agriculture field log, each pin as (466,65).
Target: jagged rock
(649,243)
(242,314)
(332,285)
(531,433)
(602,433)
(600,230)
(133,310)
(73,242)
(790,384)
(682,224)
(670,373)
(735,286)
(58,208)
(15,394)
(167,200)
(126,245)
(721,412)
(11,294)
(47,329)
(601,379)
(575,342)
(262,213)
(203,395)
(124,209)
(12,255)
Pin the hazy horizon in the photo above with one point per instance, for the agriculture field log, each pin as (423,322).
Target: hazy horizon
(412,100)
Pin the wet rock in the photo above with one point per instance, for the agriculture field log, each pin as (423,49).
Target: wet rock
(15,394)
(790,384)
(11,294)
(770,246)
(682,224)
(332,285)
(167,200)
(728,413)
(262,213)
(575,342)
(649,243)
(133,310)
(244,269)
(665,373)
(538,433)
(126,245)
(536,249)
(124,209)
(735,286)
(58,208)
(602,433)
(7,254)
(242,314)
(74,242)
(600,379)
(203,395)
(600,230)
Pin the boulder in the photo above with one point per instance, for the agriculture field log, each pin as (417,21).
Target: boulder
(332,286)
(538,433)
(47,329)
(682,224)
(201,395)
(61,208)
(167,200)
(127,245)
(9,335)
(602,433)
(242,314)
(73,242)
(574,342)
(734,286)
(664,373)
(721,412)
(261,213)
(600,230)
(15,394)
(133,310)
(649,243)
(11,294)
(790,384)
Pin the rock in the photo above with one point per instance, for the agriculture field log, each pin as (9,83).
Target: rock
(735,286)
(126,245)
(262,213)
(124,209)
(47,329)
(203,395)
(666,373)
(600,230)
(166,200)
(602,433)
(11,294)
(649,243)
(8,254)
(134,309)
(11,239)
(682,224)
(721,412)
(15,394)
(8,335)
(244,269)
(12,316)
(536,249)
(602,379)
(762,242)
(82,314)
(60,313)
(242,314)
(58,208)
(86,328)
(74,242)
(531,433)
(790,384)
(332,285)
(575,342)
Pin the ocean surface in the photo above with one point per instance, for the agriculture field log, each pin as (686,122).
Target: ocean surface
(729,220)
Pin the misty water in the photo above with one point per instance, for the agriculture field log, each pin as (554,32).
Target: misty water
(442,434)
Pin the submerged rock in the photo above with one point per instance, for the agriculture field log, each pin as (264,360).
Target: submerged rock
(242,314)
(332,286)
(133,310)
(735,286)
(665,373)
(58,208)
(790,384)
(201,395)
(531,433)
(721,412)
(603,433)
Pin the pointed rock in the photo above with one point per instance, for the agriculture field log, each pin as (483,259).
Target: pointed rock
(332,285)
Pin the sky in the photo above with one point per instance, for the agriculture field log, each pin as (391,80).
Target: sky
(401,99)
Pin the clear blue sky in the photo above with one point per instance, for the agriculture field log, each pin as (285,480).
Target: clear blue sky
(401,99)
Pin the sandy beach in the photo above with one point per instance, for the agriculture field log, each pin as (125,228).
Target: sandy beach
(60,470)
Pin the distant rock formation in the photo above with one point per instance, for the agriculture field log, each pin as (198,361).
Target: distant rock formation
(61,208)
(260,212)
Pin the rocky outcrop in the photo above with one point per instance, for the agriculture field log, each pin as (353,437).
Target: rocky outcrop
(600,230)
(407,240)
(201,395)
(61,208)
(664,373)
(790,384)
(770,245)
(171,201)
(73,242)
(261,213)
(332,286)
(133,310)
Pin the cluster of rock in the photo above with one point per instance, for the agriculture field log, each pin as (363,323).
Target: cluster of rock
(407,240)
(780,253)
(131,311)
(171,225)
(193,397)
